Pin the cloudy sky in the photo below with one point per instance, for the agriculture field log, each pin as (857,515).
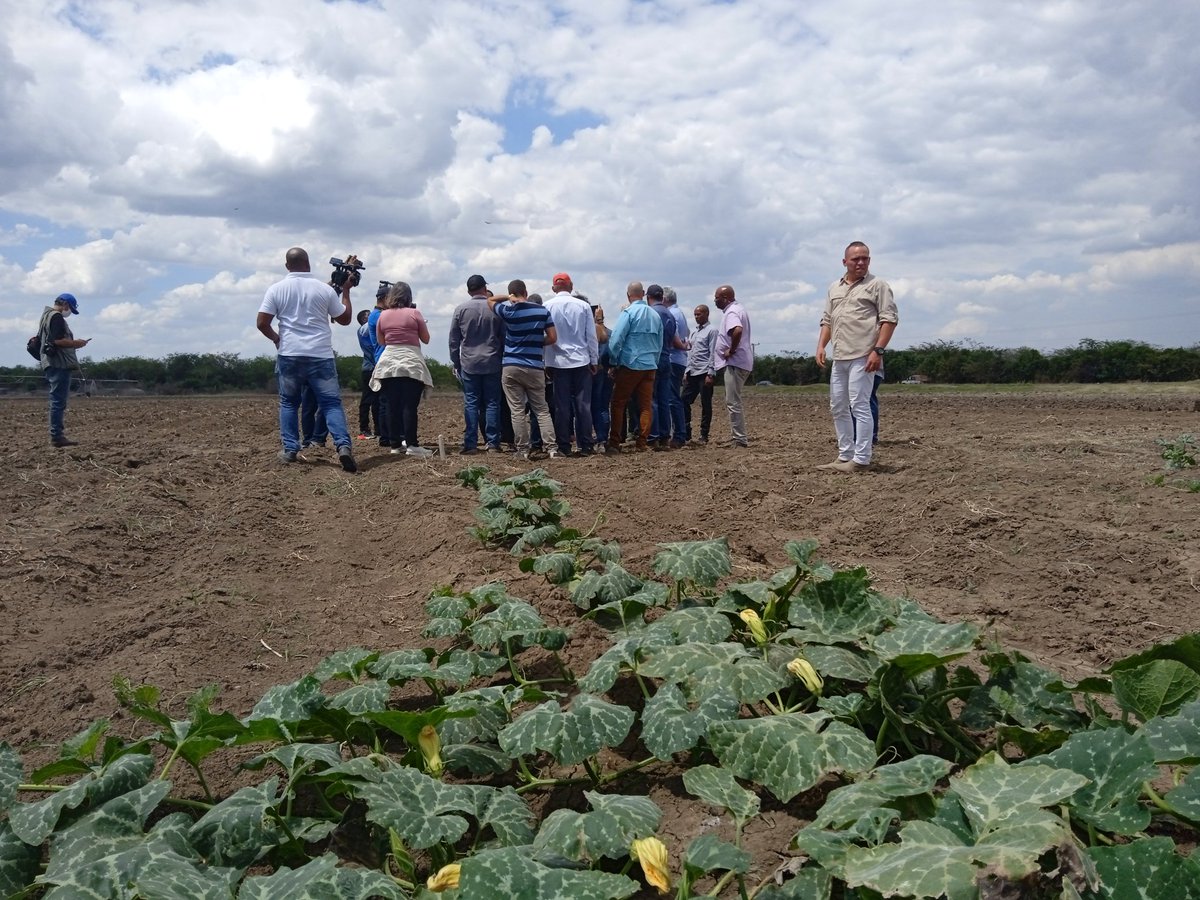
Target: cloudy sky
(1024,172)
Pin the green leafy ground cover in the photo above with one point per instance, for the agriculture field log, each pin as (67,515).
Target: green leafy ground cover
(938,779)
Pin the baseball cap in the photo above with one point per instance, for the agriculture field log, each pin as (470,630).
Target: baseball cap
(476,283)
(70,300)
(561,278)
(655,290)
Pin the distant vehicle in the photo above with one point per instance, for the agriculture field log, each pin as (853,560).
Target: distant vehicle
(765,383)
(912,379)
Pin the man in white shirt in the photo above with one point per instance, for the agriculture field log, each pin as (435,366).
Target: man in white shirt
(571,362)
(303,307)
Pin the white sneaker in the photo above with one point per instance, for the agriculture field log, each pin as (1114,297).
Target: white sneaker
(419,451)
(552,450)
(397,450)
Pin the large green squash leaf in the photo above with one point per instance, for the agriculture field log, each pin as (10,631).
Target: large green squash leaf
(570,736)
(916,647)
(1147,869)
(717,787)
(607,831)
(993,793)
(319,879)
(790,753)
(33,822)
(842,609)
(1116,763)
(18,861)
(881,786)
(510,874)
(240,829)
(701,562)
(1176,739)
(671,725)
(1159,687)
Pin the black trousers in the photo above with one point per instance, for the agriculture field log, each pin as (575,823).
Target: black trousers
(368,406)
(694,385)
(403,397)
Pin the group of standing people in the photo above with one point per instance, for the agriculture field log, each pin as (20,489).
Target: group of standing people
(512,352)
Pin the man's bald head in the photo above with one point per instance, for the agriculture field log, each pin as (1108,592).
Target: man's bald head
(723,296)
(635,291)
(297,260)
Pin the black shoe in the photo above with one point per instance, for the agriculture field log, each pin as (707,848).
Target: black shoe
(63,442)
(346,458)
(467,451)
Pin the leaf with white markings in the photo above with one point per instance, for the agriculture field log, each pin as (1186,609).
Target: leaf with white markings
(1175,739)
(703,563)
(992,792)
(718,787)
(18,861)
(321,877)
(1116,763)
(1147,869)
(790,753)
(708,853)
(570,736)
(510,874)
(881,787)
(670,725)
(11,770)
(240,829)
(842,609)
(917,647)
(606,831)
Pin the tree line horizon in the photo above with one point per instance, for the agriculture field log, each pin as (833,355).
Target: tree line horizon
(936,362)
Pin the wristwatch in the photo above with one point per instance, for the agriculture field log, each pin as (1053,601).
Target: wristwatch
(878,350)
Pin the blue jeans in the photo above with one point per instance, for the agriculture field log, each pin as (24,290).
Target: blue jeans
(678,413)
(312,421)
(874,409)
(602,391)
(572,407)
(660,412)
(60,390)
(296,372)
(481,394)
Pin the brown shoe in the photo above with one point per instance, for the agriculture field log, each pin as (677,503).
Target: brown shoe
(851,468)
(676,445)
(834,465)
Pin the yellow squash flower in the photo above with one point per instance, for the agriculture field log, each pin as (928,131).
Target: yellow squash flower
(652,854)
(431,749)
(758,630)
(444,878)
(803,669)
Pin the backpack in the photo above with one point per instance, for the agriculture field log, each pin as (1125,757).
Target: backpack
(34,347)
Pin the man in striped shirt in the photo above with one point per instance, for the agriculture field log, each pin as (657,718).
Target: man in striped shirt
(528,330)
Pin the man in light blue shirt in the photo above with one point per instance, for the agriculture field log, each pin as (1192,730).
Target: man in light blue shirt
(679,359)
(634,347)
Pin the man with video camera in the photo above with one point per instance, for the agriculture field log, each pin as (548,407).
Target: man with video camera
(304,307)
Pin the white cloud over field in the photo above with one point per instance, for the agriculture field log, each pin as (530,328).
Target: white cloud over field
(1024,172)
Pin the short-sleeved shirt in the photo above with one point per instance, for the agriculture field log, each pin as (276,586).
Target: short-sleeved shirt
(732,316)
(302,305)
(525,326)
(400,326)
(679,357)
(668,333)
(853,313)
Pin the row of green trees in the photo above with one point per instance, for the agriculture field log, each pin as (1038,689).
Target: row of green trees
(945,362)
(208,373)
(942,362)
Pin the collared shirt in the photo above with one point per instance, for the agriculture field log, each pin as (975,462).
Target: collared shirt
(679,357)
(853,313)
(476,338)
(575,327)
(668,333)
(637,339)
(732,316)
(302,305)
(525,326)
(702,357)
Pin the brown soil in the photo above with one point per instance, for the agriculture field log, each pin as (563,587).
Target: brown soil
(172,548)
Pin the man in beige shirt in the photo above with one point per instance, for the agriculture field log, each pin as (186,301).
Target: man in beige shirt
(860,317)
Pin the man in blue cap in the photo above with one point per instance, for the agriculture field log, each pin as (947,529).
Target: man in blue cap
(59,361)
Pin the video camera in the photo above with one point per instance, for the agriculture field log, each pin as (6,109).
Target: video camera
(384,287)
(349,268)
